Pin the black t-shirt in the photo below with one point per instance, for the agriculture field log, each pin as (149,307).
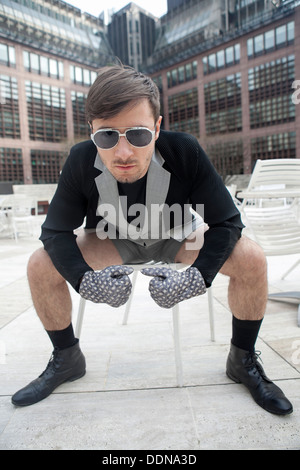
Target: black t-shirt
(135,193)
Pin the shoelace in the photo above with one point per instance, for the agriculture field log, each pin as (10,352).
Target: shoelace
(256,356)
(253,363)
(50,365)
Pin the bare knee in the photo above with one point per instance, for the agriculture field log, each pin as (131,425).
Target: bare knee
(37,263)
(258,258)
(247,261)
(40,267)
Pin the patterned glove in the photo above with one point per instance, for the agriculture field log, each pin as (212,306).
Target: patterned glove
(169,287)
(111,285)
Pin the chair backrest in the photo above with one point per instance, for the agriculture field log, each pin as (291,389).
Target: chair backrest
(274,226)
(275,229)
(284,172)
(280,174)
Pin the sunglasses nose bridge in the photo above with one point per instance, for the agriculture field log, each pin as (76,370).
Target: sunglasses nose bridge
(122,136)
(123,146)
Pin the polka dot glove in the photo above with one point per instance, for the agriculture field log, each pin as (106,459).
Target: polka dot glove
(111,285)
(168,287)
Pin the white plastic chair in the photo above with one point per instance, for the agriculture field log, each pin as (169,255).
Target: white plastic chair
(278,176)
(275,226)
(18,211)
(175,314)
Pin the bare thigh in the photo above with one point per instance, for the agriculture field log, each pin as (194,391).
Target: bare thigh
(97,253)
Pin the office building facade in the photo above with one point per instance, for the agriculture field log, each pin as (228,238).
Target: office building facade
(49,54)
(132,34)
(231,79)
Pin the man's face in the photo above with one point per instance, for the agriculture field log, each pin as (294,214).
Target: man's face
(125,162)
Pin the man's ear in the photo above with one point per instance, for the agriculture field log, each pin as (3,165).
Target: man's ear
(157,127)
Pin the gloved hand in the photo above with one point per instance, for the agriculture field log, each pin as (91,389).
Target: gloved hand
(168,287)
(111,285)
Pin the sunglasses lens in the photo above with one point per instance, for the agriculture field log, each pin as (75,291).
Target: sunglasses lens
(106,139)
(139,137)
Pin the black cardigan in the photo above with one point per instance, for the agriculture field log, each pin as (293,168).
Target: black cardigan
(193,181)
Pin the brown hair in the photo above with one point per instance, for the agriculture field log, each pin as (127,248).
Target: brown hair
(115,87)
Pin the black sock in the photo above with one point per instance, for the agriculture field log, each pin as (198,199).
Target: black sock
(62,339)
(244,333)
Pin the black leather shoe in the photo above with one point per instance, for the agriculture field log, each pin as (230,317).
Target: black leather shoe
(65,365)
(243,367)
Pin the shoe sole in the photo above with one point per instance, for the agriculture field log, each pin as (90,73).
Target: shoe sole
(231,377)
(71,379)
(237,381)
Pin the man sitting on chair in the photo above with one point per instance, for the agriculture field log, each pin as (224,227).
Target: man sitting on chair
(117,181)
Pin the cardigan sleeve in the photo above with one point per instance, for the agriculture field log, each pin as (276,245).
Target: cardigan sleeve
(66,213)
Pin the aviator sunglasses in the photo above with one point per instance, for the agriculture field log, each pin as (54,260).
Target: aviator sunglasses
(109,138)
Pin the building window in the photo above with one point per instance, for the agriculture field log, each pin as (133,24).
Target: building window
(221,59)
(290,32)
(223,111)
(270,40)
(181,74)
(43,65)
(281,36)
(183,112)
(46,107)
(270,90)
(9,109)
(82,76)
(258,44)
(7,55)
(281,145)
(11,165)
(227,157)
(46,166)
(81,127)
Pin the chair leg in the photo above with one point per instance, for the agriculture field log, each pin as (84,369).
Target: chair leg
(176,326)
(177,346)
(128,303)
(79,320)
(211,314)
